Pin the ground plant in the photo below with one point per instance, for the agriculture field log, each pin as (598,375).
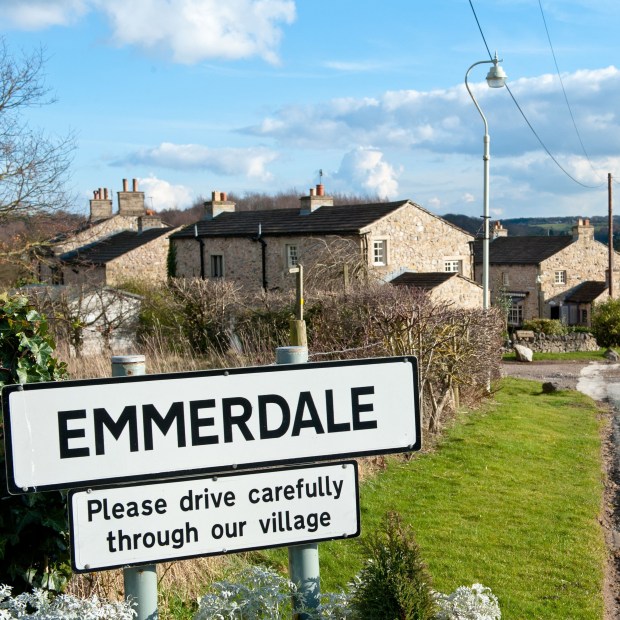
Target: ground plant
(606,323)
(33,528)
(394,581)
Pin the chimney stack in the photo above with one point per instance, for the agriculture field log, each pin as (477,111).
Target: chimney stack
(100,205)
(316,198)
(218,204)
(583,230)
(131,203)
(499,230)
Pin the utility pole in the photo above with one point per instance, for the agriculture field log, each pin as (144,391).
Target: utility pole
(611,236)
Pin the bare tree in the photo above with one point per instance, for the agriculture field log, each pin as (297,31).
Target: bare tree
(34,168)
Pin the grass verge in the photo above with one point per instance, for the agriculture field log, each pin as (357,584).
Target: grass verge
(511,499)
(574,355)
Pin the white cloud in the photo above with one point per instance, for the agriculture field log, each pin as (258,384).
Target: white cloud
(188,30)
(161,194)
(467,198)
(39,14)
(446,121)
(251,162)
(364,170)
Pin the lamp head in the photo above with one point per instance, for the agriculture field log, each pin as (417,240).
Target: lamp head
(496,77)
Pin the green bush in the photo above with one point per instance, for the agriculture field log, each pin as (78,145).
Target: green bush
(33,528)
(606,323)
(394,583)
(549,327)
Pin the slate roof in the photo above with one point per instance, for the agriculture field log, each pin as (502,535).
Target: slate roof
(586,292)
(105,250)
(521,250)
(338,219)
(424,280)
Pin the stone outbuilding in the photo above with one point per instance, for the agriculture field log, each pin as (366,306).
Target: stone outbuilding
(111,247)
(554,277)
(257,249)
(447,287)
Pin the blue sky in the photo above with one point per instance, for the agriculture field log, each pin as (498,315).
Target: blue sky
(191,96)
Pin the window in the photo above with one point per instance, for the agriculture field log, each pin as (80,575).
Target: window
(217,266)
(505,278)
(515,314)
(379,252)
(292,256)
(560,277)
(453,266)
(584,317)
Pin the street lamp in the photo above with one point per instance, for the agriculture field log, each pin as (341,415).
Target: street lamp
(496,78)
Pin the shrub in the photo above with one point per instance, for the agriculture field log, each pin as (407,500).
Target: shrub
(256,594)
(606,323)
(38,605)
(549,327)
(394,582)
(475,603)
(33,528)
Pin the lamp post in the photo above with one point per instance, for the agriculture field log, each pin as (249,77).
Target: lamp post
(496,78)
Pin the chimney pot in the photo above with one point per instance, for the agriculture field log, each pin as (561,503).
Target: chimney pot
(586,222)
(135,185)
(312,191)
(224,196)
(95,195)
(105,193)
(125,186)
(320,189)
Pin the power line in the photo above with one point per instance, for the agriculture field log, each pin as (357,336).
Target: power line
(570,111)
(525,117)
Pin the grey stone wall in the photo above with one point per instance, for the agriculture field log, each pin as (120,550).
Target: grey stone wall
(567,343)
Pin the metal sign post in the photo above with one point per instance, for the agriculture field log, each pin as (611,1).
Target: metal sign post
(140,582)
(303,560)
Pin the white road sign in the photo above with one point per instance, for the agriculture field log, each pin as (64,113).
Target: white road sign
(73,434)
(157,522)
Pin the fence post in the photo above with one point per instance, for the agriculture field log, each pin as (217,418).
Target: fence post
(303,560)
(140,581)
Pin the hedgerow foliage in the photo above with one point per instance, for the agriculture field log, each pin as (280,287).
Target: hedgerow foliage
(606,323)
(458,350)
(33,528)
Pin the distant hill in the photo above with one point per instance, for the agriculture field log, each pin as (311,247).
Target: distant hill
(539,226)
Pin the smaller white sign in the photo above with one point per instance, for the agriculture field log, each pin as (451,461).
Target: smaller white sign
(159,522)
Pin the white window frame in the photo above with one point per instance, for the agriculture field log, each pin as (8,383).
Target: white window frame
(216,265)
(453,265)
(560,277)
(505,278)
(379,252)
(515,313)
(292,255)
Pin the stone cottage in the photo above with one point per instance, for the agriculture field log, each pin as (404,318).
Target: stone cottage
(111,247)
(256,249)
(548,277)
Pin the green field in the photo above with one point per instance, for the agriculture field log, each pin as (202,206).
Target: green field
(510,498)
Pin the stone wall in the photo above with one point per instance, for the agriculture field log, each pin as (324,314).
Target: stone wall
(567,343)
(242,258)
(420,241)
(147,263)
(462,292)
